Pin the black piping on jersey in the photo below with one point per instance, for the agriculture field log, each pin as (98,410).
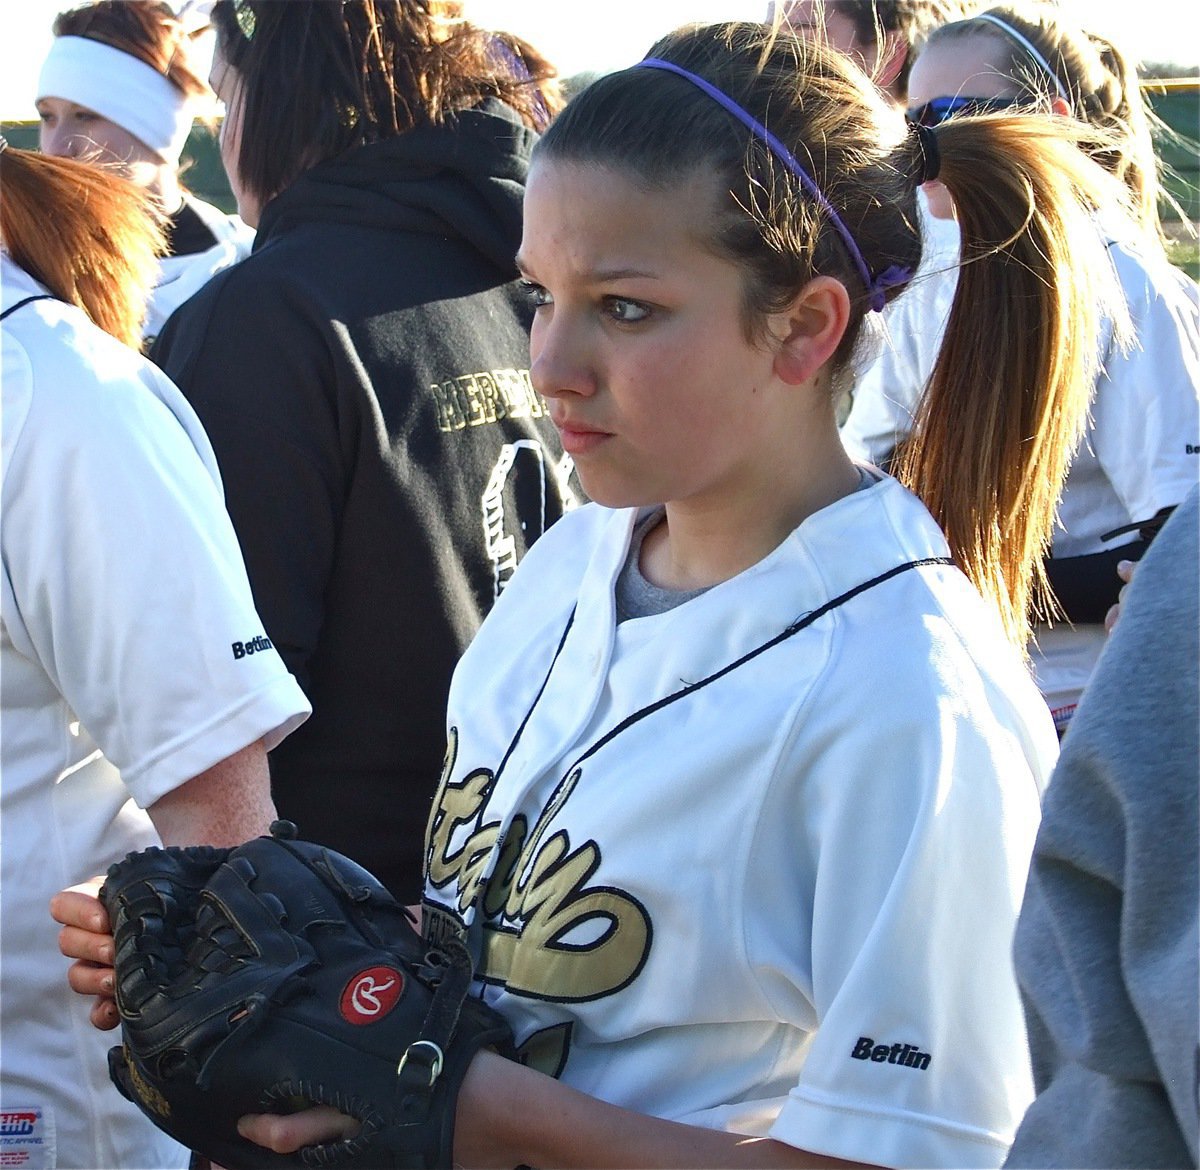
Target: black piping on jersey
(537,698)
(21,304)
(790,631)
(566,784)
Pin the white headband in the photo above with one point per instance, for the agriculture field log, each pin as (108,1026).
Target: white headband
(119,87)
(1030,48)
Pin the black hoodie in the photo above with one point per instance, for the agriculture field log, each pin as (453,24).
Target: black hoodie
(363,378)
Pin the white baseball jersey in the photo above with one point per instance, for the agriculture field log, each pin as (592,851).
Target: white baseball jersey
(1141,451)
(905,339)
(126,623)
(753,864)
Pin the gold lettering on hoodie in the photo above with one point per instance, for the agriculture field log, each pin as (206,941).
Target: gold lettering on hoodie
(488,396)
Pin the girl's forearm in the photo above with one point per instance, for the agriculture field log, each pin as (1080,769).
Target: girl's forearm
(509,1115)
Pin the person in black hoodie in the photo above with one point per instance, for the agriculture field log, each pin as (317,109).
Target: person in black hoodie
(363,377)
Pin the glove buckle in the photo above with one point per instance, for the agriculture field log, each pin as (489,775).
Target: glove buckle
(434,1056)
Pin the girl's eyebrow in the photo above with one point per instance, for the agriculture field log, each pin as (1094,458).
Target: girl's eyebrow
(602,275)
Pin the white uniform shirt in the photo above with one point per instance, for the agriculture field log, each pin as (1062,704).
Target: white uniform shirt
(181,277)
(123,605)
(1141,451)
(908,337)
(783,903)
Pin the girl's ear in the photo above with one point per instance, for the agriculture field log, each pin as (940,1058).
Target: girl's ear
(1060,107)
(810,331)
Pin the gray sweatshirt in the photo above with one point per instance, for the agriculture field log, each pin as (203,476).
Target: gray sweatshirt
(1106,946)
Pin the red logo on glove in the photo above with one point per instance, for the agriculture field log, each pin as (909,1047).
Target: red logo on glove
(371,994)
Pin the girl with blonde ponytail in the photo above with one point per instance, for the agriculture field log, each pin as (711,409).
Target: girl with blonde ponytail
(1135,458)
(744,767)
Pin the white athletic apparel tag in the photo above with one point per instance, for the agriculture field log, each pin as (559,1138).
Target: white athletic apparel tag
(27,1137)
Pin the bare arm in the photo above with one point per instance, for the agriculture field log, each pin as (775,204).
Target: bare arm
(510,1115)
(225,805)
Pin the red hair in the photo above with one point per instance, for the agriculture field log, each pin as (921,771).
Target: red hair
(92,238)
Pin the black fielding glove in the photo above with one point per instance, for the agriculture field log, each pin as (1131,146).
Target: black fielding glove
(278,975)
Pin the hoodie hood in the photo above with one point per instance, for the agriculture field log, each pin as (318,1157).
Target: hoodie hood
(464,178)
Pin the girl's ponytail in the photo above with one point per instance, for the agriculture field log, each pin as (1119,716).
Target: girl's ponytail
(92,238)
(1008,400)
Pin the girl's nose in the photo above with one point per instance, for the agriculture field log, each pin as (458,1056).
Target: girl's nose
(61,142)
(560,361)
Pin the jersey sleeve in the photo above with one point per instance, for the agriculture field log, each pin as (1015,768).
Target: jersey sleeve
(912,826)
(1146,409)
(127,581)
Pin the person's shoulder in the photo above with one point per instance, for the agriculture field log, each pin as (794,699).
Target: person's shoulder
(68,357)
(920,638)
(241,305)
(1146,274)
(68,387)
(883,568)
(278,259)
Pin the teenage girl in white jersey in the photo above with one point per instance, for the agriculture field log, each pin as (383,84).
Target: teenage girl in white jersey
(744,773)
(125,720)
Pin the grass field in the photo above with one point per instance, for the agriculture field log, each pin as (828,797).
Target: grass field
(1184,250)
(1187,257)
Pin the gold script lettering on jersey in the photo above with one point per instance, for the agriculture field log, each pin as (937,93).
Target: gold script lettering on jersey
(547,934)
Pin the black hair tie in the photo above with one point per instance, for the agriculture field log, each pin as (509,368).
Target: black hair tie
(931,156)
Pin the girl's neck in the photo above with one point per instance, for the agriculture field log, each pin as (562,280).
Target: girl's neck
(702,544)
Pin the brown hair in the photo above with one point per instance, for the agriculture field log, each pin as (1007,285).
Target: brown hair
(92,238)
(145,29)
(321,77)
(1102,87)
(1009,397)
(1007,404)
(526,61)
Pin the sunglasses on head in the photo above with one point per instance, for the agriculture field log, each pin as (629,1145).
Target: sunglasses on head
(935,112)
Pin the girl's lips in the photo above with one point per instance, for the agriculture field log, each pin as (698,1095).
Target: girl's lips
(578,440)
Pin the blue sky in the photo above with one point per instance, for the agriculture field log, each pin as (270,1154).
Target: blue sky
(580,35)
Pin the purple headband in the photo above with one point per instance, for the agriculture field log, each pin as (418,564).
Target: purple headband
(877,286)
